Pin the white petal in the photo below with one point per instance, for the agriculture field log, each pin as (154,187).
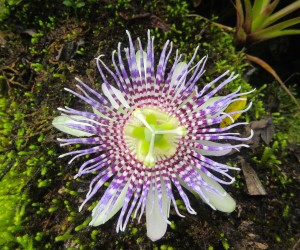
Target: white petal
(177,72)
(102,218)
(209,102)
(221,203)
(109,96)
(60,122)
(156,223)
(120,96)
(138,60)
(210,152)
(100,114)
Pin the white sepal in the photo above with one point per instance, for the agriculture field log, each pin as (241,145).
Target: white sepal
(103,217)
(223,203)
(61,122)
(156,223)
(211,152)
(138,61)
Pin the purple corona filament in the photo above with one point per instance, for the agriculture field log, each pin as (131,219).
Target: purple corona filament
(150,132)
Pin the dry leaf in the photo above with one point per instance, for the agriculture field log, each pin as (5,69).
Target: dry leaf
(7,34)
(196,3)
(253,183)
(29,32)
(263,129)
(261,245)
(294,148)
(235,106)
(67,51)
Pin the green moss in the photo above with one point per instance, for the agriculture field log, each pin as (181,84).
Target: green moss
(225,243)
(134,230)
(6,7)
(38,195)
(173,226)
(285,212)
(286,120)
(83,225)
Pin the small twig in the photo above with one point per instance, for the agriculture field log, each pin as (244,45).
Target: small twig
(37,133)
(214,23)
(268,68)
(295,246)
(16,83)
(139,16)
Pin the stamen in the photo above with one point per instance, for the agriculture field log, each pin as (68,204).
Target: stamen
(155,138)
(178,131)
(139,115)
(150,160)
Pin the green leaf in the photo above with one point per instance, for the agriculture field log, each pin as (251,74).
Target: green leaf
(80,4)
(239,13)
(276,30)
(285,24)
(249,17)
(268,68)
(240,32)
(259,6)
(274,34)
(282,13)
(68,3)
(258,20)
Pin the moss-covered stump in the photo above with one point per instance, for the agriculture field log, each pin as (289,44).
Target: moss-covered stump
(44,46)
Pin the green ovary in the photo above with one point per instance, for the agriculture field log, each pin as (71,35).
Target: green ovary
(152,135)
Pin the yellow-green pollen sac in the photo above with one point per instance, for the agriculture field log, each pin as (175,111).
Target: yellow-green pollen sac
(152,135)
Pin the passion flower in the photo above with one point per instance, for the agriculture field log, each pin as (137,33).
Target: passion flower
(151,131)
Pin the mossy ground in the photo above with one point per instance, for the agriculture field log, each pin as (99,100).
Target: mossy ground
(39,198)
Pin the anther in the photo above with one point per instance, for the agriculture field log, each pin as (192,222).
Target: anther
(139,115)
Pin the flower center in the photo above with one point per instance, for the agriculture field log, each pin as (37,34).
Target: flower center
(152,135)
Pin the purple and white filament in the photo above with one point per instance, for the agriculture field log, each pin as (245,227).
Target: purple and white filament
(150,133)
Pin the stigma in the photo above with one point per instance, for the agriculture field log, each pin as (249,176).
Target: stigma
(152,135)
